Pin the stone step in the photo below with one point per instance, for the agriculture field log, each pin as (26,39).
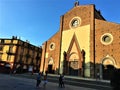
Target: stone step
(83,82)
(75,81)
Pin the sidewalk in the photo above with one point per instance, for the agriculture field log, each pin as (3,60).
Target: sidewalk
(81,78)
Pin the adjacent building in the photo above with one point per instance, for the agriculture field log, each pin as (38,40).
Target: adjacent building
(20,56)
(85,44)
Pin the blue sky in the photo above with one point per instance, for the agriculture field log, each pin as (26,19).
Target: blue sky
(38,20)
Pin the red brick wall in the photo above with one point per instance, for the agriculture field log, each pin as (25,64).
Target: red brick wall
(52,53)
(101,50)
(84,12)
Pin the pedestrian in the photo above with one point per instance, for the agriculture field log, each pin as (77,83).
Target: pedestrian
(45,80)
(60,80)
(38,79)
(98,76)
(14,72)
(63,84)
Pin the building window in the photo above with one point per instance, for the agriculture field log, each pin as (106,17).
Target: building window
(75,22)
(11,48)
(2,41)
(52,46)
(1,48)
(9,58)
(106,39)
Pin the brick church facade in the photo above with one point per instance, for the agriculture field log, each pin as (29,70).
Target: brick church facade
(86,44)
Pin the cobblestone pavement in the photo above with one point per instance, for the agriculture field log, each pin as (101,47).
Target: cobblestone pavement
(8,82)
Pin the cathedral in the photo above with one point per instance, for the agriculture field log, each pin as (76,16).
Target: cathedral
(86,44)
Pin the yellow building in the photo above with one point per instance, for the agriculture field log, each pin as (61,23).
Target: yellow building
(19,56)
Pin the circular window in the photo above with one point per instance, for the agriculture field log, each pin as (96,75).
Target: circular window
(52,46)
(106,39)
(75,22)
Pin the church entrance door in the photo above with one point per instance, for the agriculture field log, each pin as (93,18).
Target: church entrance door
(50,69)
(108,71)
(73,68)
(50,65)
(107,67)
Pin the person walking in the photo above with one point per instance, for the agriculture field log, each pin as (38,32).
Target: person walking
(63,84)
(38,79)
(45,80)
(98,76)
(60,80)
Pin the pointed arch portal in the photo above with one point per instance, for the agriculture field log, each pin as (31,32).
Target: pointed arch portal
(107,67)
(50,65)
(74,62)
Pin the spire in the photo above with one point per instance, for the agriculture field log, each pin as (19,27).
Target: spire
(76,3)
